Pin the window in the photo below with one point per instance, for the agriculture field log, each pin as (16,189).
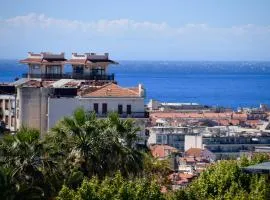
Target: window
(36,66)
(159,139)
(104,108)
(78,69)
(164,139)
(35,69)
(96,71)
(1,114)
(96,107)
(6,119)
(120,109)
(6,104)
(128,109)
(53,69)
(17,114)
(12,121)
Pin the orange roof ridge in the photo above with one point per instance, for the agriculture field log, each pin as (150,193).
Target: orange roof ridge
(88,89)
(131,90)
(111,90)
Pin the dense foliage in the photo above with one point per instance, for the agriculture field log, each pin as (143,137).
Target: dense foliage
(226,180)
(113,188)
(84,157)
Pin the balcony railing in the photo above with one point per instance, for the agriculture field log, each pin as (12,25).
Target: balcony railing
(109,77)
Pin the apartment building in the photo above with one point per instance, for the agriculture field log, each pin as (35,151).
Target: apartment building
(226,134)
(7,107)
(47,93)
(228,146)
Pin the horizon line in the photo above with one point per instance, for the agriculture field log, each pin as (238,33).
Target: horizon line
(169,60)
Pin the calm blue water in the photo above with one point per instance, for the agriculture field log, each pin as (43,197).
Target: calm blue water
(229,84)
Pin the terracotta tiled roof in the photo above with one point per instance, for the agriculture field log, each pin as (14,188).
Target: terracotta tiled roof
(223,122)
(162,151)
(196,152)
(42,60)
(186,176)
(192,115)
(235,122)
(181,178)
(135,89)
(225,119)
(253,122)
(111,90)
(242,116)
(31,60)
(190,159)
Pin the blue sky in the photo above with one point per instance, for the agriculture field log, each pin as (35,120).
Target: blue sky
(138,30)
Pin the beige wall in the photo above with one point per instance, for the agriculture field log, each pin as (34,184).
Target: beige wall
(32,108)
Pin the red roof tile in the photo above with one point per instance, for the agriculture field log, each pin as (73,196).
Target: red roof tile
(162,151)
(31,60)
(42,61)
(196,152)
(110,90)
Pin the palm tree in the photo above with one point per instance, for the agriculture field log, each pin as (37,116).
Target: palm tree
(98,146)
(7,187)
(24,155)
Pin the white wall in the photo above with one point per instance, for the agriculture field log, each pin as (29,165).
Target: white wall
(193,141)
(60,107)
(152,137)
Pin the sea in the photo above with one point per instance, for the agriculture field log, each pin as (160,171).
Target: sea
(227,84)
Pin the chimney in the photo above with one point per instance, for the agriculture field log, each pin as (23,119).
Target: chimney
(141,90)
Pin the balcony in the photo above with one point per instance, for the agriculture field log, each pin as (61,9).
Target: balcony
(108,77)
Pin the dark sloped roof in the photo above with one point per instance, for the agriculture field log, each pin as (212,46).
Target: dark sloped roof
(263,168)
(89,61)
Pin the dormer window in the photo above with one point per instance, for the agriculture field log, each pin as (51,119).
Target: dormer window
(54,69)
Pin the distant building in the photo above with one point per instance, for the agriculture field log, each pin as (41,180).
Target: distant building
(195,160)
(226,134)
(202,154)
(262,149)
(154,105)
(162,151)
(7,107)
(171,135)
(225,147)
(181,180)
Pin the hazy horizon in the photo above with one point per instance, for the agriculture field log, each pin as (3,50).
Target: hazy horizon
(175,30)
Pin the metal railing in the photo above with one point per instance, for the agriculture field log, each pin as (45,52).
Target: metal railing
(70,76)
